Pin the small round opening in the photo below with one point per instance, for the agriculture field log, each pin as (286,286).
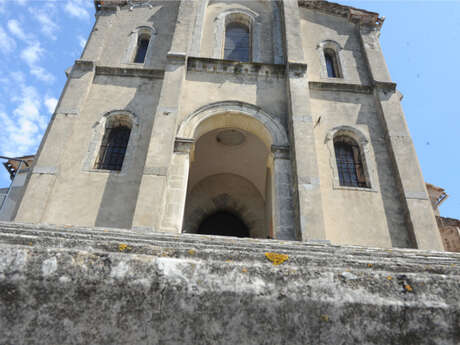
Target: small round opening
(230,137)
(223,223)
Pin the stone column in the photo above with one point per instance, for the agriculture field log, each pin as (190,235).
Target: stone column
(176,189)
(420,217)
(152,197)
(307,197)
(283,213)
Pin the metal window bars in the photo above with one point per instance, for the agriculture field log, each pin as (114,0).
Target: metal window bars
(349,165)
(113,148)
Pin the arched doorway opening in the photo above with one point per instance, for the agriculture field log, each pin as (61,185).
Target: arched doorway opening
(229,184)
(223,223)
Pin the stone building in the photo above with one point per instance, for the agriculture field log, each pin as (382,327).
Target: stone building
(257,119)
(189,119)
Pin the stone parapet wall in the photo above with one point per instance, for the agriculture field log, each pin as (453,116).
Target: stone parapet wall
(68,285)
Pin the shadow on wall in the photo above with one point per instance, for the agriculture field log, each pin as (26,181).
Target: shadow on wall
(119,198)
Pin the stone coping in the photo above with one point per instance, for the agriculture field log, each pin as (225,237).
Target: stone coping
(220,248)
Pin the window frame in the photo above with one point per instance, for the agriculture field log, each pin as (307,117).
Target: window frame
(238,15)
(369,169)
(99,130)
(132,46)
(107,154)
(248,27)
(335,51)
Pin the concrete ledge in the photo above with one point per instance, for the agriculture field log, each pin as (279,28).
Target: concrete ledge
(75,285)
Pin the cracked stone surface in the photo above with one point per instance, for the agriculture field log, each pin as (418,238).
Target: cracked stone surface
(68,285)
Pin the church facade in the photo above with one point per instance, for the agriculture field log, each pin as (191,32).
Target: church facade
(258,119)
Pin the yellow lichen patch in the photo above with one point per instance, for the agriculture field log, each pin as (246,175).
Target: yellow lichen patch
(30,243)
(122,247)
(389,277)
(228,261)
(408,287)
(276,259)
(325,317)
(192,251)
(244,269)
(369,265)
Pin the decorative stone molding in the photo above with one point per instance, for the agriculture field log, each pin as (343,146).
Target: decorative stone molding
(184,145)
(132,45)
(239,15)
(354,15)
(367,157)
(260,70)
(130,72)
(98,134)
(338,51)
(275,129)
(280,152)
(340,86)
(296,70)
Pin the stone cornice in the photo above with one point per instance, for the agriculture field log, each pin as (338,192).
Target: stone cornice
(130,72)
(354,15)
(199,64)
(340,86)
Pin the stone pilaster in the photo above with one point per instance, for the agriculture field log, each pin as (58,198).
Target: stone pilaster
(306,182)
(284,228)
(420,217)
(152,198)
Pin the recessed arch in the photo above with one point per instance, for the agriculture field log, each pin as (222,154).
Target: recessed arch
(266,127)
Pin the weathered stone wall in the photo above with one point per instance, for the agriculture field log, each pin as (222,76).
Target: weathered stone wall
(100,286)
(450,233)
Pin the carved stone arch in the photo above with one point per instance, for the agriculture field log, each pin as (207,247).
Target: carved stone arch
(367,155)
(240,15)
(338,51)
(132,43)
(98,130)
(249,209)
(266,127)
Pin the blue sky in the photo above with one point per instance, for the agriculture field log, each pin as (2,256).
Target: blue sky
(40,39)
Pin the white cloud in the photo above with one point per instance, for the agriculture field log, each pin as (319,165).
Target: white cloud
(32,53)
(21,2)
(42,74)
(25,126)
(7,44)
(76,8)
(50,103)
(16,29)
(47,25)
(81,41)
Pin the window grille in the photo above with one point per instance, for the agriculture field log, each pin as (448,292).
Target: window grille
(113,148)
(142,45)
(349,164)
(237,42)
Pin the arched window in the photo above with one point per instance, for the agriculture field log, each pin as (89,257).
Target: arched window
(332,66)
(114,145)
(237,42)
(349,162)
(142,46)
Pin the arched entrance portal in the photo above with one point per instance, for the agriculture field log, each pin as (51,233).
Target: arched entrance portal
(229,174)
(230,157)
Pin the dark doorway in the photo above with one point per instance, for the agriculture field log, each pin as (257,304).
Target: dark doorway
(223,223)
